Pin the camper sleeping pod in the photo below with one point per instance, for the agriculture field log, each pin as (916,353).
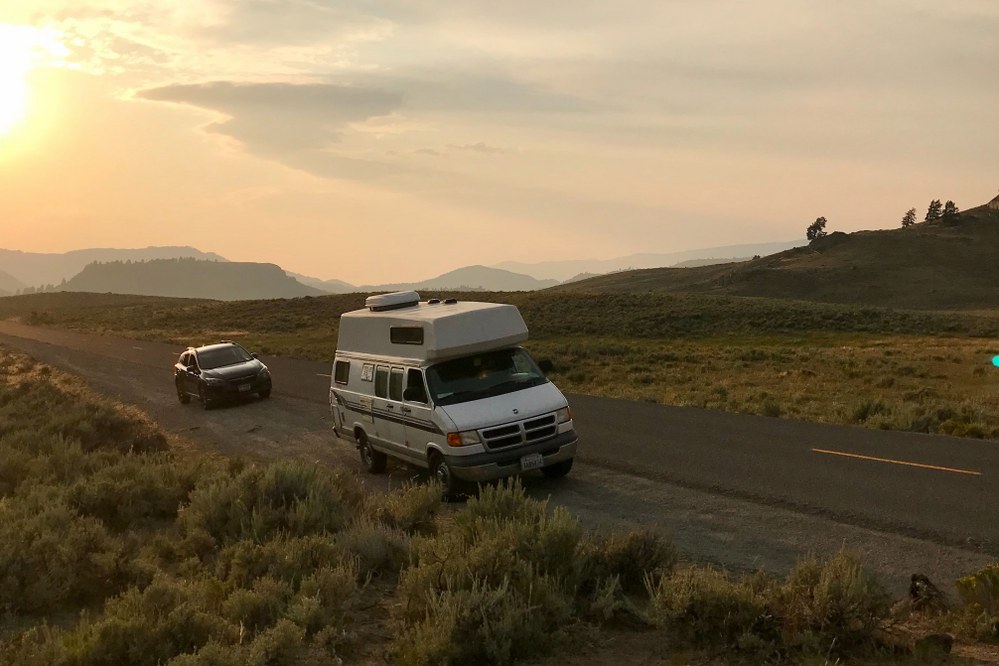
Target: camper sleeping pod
(445,385)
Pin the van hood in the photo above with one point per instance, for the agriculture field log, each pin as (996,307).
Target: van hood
(505,408)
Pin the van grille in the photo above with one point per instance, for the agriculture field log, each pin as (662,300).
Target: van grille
(521,432)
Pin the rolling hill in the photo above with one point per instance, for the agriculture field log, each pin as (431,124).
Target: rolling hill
(9,284)
(35,269)
(474,278)
(190,278)
(941,265)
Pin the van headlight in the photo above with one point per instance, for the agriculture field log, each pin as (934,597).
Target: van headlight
(563,415)
(463,438)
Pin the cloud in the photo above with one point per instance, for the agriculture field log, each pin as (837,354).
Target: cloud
(480,147)
(280,118)
(286,22)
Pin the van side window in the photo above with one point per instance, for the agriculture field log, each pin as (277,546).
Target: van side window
(381,381)
(342,372)
(406,335)
(395,384)
(416,391)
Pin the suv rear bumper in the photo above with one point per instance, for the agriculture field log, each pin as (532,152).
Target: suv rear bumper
(496,465)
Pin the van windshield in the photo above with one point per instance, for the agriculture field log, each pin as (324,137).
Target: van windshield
(482,376)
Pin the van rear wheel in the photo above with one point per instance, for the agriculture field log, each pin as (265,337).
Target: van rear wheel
(557,470)
(374,461)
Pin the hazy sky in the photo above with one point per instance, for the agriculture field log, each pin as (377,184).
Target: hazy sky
(384,140)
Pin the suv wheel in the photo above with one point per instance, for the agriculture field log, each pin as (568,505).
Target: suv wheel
(203,396)
(182,394)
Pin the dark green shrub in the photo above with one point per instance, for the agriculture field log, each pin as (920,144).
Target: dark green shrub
(705,607)
(287,559)
(630,558)
(258,608)
(287,498)
(375,547)
(483,623)
(411,509)
(50,556)
(831,606)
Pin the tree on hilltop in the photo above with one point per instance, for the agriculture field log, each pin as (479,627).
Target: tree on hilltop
(816,229)
(909,219)
(950,211)
(933,212)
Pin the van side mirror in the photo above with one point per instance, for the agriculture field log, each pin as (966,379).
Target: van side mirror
(254,354)
(546,365)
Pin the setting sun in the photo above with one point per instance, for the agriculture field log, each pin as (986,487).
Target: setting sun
(22,48)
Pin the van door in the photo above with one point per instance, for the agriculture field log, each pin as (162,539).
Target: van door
(418,413)
(389,429)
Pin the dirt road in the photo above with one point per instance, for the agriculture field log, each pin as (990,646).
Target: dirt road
(714,525)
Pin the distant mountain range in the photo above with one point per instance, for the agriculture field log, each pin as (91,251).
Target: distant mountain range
(106,270)
(938,265)
(192,278)
(36,269)
(564,270)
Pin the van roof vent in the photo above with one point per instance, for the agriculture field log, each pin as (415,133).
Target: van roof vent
(434,301)
(450,301)
(393,301)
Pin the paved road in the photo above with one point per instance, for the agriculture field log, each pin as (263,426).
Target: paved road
(940,489)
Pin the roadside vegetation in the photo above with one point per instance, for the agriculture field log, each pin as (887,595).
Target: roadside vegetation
(115,548)
(891,369)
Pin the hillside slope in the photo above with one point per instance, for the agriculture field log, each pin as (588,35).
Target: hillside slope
(190,278)
(952,265)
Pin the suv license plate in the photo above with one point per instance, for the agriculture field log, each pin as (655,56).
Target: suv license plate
(245,387)
(533,461)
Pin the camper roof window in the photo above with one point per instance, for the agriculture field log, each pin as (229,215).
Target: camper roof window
(406,335)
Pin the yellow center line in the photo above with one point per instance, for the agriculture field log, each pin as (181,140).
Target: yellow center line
(898,462)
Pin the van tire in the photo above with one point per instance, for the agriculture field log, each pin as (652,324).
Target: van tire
(374,461)
(441,472)
(182,394)
(557,470)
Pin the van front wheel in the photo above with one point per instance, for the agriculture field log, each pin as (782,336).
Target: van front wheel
(557,470)
(374,461)
(440,472)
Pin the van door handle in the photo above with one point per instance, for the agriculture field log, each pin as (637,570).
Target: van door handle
(390,406)
(406,409)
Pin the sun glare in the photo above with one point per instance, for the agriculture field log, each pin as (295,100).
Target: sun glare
(23,47)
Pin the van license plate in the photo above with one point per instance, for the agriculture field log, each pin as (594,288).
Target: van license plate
(245,387)
(533,461)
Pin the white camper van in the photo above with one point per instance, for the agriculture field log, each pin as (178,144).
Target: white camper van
(445,385)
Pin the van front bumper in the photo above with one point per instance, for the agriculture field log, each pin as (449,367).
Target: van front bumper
(499,464)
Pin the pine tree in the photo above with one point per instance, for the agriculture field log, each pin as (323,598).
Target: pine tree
(933,212)
(816,229)
(909,219)
(950,211)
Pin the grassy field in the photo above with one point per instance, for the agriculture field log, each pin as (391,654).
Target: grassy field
(116,549)
(917,371)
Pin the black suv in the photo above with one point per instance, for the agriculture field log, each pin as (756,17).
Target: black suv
(215,372)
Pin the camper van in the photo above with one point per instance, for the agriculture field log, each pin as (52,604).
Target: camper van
(445,385)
